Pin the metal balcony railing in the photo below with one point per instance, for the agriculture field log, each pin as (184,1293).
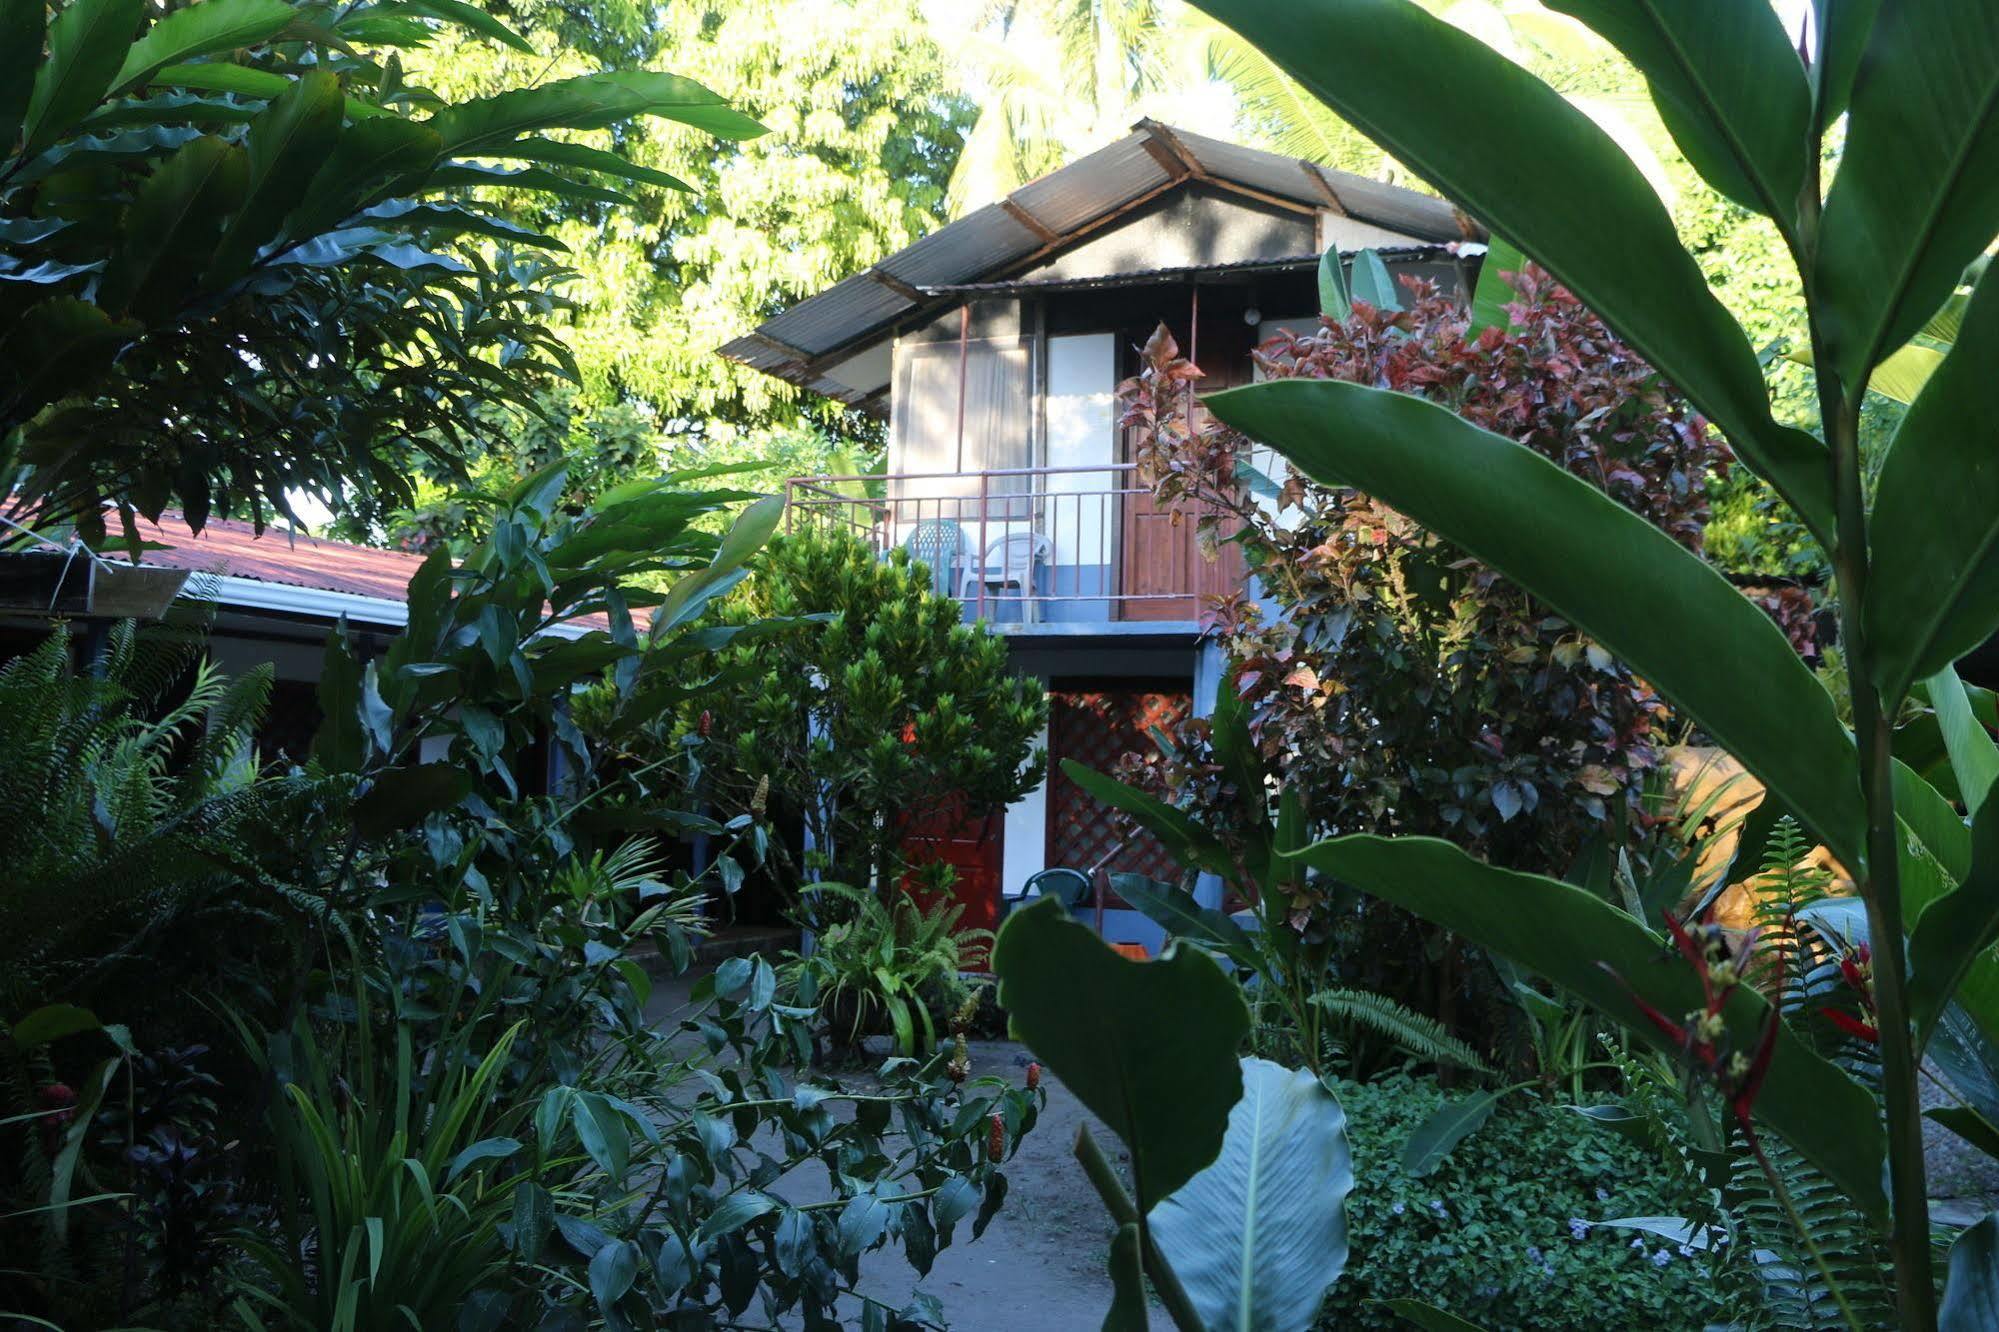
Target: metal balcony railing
(1028,545)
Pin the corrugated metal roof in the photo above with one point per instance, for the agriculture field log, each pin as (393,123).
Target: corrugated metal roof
(1394,254)
(1045,215)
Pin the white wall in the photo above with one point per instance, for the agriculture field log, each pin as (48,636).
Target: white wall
(1026,844)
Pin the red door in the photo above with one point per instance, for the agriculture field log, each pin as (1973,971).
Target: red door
(1160,554)
(972,847)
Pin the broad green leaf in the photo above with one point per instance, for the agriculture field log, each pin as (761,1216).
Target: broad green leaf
(1584,944)
(55,345)
(1429,1317)
(86,44)
(1729,87)
(1258,1236)
(287,145)
(1495,290)
(52,1022)
(22,31)
(1951,936)
(745,538)
(1968,1124)
(201,29)
(454,220)
(401,797)
(554,152)
(1445,1127)
(1974,758)
(457,175)
(1613,244)
(1176,911)
(338,745)
(1842,29)
(1665,613)
(1917,193)
(1155,1057)
(733,1213)
(1901,377)
(364,159)
(1334,298)
(473,18)
(1971,1286)
(589,101)
(1933,592)
(172,227)
(613,1269)
(1184,839)
(1372,282)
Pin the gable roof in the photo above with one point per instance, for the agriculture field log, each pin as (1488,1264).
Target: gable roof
(230,547)
(1043,216)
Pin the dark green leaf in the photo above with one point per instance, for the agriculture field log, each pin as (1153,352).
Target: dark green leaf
(1584,944)
(553,152)
(613,1269)
(863,1222)
(1185,840)
(52,1022)
(22,31)
(1933,593)
(287,145)
(366,157)
(1258,1236)
(1447,1126)
(1613,244)
(473,18)
(1156,1058)
(55,345)
(201,29)
(172,228)
(402,797)
(733,1213)
(1917,193)
(1968,1124)
(1176,911)
(1843,27)
(1954,931)
(1669,616)
(87,43)
(1729,86)
(1429,1317)
(487,1149)
(1971,1288)
(339,745)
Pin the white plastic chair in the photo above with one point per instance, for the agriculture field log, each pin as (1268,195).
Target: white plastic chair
(1010,561)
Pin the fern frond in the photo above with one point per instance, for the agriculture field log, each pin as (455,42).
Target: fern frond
(1420,1037)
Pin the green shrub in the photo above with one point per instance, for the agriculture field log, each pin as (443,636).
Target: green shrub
(1501,1232)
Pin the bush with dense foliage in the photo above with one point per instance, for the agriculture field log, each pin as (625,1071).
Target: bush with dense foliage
(866,712)
(1505,1231)
(1399,685)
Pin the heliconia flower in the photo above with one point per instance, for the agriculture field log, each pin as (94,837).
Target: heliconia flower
(995,1139)
(1852,1025)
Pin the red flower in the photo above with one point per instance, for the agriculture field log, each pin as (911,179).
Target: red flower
(995,1139)
(1033,1076)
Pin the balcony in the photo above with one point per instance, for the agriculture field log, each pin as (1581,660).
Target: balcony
(1032,549)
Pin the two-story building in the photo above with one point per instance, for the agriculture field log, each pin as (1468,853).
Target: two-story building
(992,348)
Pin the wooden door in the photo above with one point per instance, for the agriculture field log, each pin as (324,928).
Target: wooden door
(1159,555)
(971,845)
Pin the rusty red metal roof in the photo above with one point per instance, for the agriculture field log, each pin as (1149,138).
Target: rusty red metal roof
(233,547)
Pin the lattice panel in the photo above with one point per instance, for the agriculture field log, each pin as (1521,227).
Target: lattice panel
(1097,728)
